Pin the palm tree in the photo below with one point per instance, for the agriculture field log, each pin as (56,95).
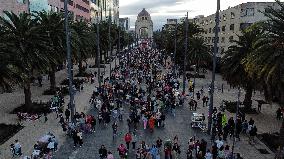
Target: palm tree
(53,27)
(24,42)
(233,69)
(199,53)
(83,41)
(267,59)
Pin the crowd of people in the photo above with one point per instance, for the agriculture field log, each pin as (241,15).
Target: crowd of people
(142,92)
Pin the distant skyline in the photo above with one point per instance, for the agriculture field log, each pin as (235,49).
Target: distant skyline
(161,10)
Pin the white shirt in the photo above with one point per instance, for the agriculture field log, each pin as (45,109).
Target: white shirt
(219,143)
(208,155)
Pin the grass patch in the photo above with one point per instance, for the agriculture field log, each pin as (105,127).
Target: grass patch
(8,131)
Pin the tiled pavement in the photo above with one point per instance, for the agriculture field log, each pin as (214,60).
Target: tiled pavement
(174,126)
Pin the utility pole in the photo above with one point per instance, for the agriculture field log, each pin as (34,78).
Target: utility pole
(175,52)
(185,52)
(109,42)
(69,61)
(213,71)
(118,45)
(98,52)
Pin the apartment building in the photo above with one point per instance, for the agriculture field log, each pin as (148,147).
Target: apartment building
(104,9)
(15,6)
(124,23)
(232,21)
(87,10)
(79,9)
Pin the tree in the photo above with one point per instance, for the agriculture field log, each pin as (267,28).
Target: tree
(233,69)
(267,59)
(24,42)
(53,28)
(199,53)
(83,41)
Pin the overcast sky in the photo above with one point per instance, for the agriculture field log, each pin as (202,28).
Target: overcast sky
(161,10)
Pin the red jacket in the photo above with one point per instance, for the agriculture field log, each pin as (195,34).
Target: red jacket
(128,138)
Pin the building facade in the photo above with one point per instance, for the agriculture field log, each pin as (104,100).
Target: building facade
(104,9)
(144,25)
(15,6)
(79,9)
(232,21)
(124,23)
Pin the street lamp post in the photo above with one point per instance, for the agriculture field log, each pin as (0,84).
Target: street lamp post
(185,52)
(98,52)
(69,61)
(109,41)
(194,80)
(214,68)
(118,46)
(175,52)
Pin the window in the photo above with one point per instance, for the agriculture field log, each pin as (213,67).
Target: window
(21,1)
(250,11)
(145,18)
(210,30)
(86,1)
(232,15)
(232,27)
(223,28)
(209,39)
(223,40)
(231,38)
(224,17)
(82,8)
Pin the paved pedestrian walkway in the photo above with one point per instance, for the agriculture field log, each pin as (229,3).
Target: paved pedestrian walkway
(179,125)
(270,124)
(33,130)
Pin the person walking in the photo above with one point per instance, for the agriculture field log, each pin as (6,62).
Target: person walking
(103,152)
(114,130)
(127,139)
(67,114)
(110,155)
(134,141)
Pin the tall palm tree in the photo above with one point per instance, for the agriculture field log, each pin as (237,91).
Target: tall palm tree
(24,42)
(233,69)
(83,40)
(53,27)
(267,59)
(199,53)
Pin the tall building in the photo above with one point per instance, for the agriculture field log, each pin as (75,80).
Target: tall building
(15,6)
(79,9)
(124,23)
(144,25)
(232,21)
(104,8)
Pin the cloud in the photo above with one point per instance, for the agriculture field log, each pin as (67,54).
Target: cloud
(161,10)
